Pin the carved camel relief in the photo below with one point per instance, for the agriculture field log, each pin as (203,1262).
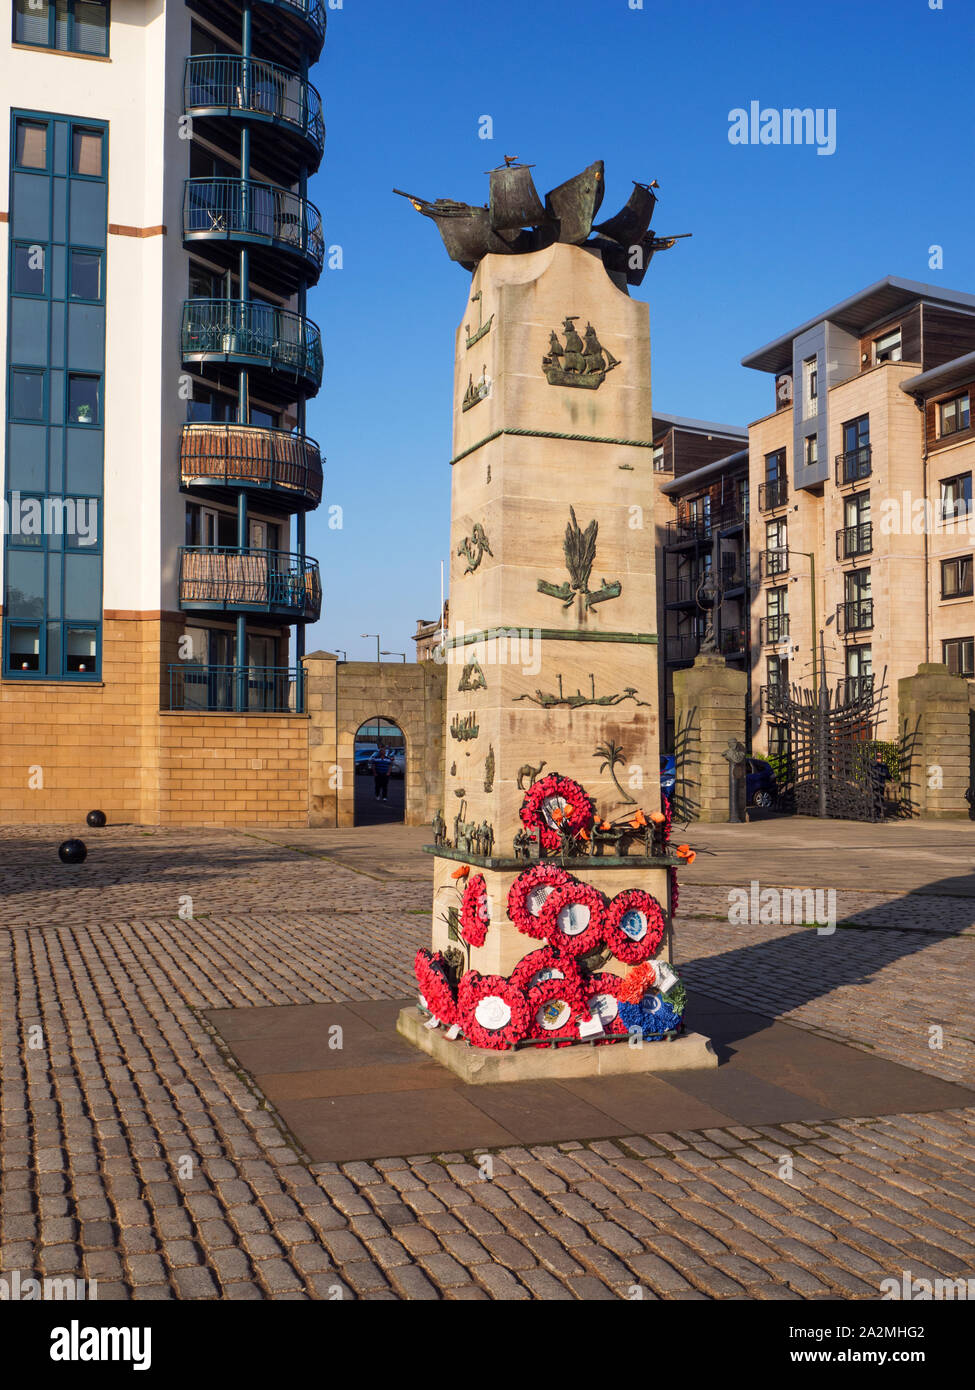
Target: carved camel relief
(526,770)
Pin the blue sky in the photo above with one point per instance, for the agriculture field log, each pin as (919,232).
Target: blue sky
(780,233)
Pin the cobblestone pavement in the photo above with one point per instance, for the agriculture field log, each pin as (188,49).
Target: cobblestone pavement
(133,1153)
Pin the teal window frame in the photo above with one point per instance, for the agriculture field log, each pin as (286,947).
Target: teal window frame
(44,168)
(45,374)
(88,128)
(45,293)
(98,251)
(52,32)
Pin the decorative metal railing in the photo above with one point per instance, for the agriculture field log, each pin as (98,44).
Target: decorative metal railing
(270,581)
(856,615)
(853,465)
(244,689)
(253,88)
(233,455)
(249,331)
(774,562)
(225,209)
(852,541)
(774,628)
(312,12)
(683,648)
(773,494)
(732,639)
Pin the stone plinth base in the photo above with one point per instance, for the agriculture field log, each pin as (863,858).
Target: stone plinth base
(478,1066)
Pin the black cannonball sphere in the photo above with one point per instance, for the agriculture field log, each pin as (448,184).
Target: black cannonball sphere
(96,819)
(73,852)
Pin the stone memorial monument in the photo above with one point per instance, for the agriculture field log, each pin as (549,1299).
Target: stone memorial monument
(554,878)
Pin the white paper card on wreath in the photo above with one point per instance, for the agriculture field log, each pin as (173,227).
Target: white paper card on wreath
(453,1031)
(666,979)
(592,1027)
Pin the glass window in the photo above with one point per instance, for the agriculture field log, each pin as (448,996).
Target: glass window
(954,415)
(887,348)
(31,145)
(86,152)
(956,577)
(85,273)
(959,656)
(79,26)
(775,466)
(81,650)
(90,27)
(26,394)
(956,496)
(23,647)
(29,265)
(658,458)
(812,449)
(83,395)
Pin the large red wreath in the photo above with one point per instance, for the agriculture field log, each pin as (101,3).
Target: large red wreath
(579,943)
(606,983)
(547,961)
(579,810)
(623,946)
(474,915)
(540,875)
(474,990)
(436,993)
(569,991)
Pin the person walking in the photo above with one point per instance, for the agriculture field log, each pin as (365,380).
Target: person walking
(381,765)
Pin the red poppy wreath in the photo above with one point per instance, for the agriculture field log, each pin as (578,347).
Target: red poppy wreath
(634,926)
(554,1005)
(436,994)
(602,992)
(528,893)
(474,915)
(573,919)
(493,1011)
(551,798)
(539,966)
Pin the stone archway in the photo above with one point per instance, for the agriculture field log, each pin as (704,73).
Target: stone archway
(377,732)
(341,696)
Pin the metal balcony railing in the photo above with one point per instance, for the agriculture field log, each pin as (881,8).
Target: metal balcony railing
(683,589)
(774,562)
(774,628)
(683,648)
(232,455)
(732,576)
(774,493)
(311,12)
(852,688)
(771,697)
(853,465)
(251,211)
(855,615)
(244,689)
(852,541)
(732,640)
(234,579)
(253,89)
(248,331)
(703,526)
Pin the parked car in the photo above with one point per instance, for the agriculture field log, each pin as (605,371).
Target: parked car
(364,754)
(668,775)
(397,758)
(761,788)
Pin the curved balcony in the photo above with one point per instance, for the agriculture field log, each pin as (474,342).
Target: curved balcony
(248,333)
(277,466)
(260,215)
(275,100)
(279,25)
(231,579)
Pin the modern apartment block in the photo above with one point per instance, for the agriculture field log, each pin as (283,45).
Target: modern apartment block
(701,523)
(158,244)
(861,528)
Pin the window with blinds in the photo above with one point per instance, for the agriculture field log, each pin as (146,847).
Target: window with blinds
(70,26)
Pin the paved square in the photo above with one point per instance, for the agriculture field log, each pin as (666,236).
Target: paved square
(135,1153)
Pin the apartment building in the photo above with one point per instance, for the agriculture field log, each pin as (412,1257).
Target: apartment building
(842,470)
(701,520)
(158,244)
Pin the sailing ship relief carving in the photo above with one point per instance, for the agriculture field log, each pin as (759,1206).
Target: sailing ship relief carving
(577,362)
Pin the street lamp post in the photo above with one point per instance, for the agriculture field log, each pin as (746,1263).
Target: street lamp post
(402,654)
(376,635)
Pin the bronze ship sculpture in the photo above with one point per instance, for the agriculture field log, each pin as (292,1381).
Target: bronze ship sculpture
(516,220)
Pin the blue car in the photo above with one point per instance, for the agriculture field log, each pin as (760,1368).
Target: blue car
(668,775)
(761,788)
